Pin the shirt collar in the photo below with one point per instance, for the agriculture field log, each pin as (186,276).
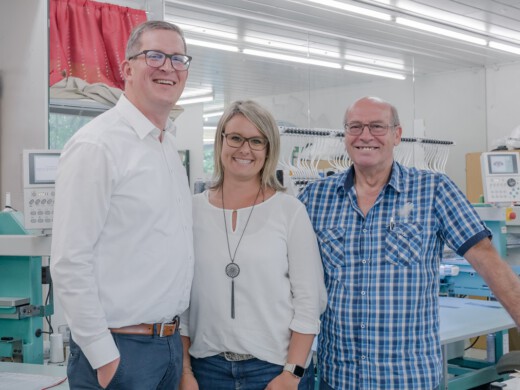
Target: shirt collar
(396,181)
(138,121)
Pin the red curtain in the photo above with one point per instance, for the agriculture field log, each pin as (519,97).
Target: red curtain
(88,40)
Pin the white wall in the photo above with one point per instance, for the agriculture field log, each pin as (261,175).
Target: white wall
(453,106)
(24,96)
(503,101)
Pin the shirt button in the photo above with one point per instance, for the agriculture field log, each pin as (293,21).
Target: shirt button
(363,292)
(364,230)
(363,325)
(364,261)
(363,357)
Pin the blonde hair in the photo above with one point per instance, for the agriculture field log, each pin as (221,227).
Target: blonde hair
(265,123)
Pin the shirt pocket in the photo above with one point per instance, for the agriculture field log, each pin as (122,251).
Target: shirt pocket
(404,244)
(332,245)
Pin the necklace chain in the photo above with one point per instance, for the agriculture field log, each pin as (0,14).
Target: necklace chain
(232,258)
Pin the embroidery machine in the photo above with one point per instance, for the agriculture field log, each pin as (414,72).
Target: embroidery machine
(23,243)
(501,180)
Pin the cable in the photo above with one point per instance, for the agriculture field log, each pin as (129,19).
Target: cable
(48,318)
(472,344)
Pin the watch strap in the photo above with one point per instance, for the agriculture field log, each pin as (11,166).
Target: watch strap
(294,369)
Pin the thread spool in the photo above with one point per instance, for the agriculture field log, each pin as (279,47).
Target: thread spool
(56,353)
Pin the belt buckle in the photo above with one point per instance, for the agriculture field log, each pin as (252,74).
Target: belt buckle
(161,332)
(175,321)
(236,357)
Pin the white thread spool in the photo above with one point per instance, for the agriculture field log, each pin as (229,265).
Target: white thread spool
(56,355)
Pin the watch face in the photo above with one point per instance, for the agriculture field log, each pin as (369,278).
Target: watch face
(299,371)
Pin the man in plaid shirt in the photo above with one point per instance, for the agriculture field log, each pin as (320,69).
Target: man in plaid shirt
(381,229)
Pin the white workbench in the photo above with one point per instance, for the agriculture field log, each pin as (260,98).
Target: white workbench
(51,371)
(461,319)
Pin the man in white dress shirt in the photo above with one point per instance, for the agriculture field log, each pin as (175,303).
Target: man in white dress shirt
(122,251)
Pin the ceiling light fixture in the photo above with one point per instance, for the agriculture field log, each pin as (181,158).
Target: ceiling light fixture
(211,45)
(353,8)
(501,32)
(201,99)
(372,60)
(212,114)
(441,16)
(374,72)
(196,92)
(206,31)
(284,57)
(303,48)
(440,31)
(503,47)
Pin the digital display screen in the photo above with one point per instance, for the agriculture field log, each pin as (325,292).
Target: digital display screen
(502,164)
(43,168)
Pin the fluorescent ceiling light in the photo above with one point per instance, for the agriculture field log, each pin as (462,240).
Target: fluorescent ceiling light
(291,46)
(212,114)
(440,31)
(284,57)
(196,92)
(374,72)
(504,32)
(441,16)
(368,59)
(211,45)
(501,46)
(195,100)
(353,8)
(207,31)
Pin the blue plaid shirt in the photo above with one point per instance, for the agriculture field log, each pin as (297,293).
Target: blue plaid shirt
(381,326)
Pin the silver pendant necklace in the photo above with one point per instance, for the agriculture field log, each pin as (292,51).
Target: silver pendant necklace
(232,269)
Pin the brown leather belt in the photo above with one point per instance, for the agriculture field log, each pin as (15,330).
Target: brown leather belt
(160,329)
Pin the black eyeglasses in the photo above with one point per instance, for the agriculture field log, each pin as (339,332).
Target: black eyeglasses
(156,59)
(236,141)
(377,129)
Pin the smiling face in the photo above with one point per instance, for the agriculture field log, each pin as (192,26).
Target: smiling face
(154,91)
(368,152)
(242,163)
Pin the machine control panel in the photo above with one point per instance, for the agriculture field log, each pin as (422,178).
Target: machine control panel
(501,177)
(40,168)
(38,206)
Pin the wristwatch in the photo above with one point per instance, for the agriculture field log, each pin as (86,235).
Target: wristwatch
(294,369)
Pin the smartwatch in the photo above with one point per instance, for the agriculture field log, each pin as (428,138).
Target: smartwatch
(294,369)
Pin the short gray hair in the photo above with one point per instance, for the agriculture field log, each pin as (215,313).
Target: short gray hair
(134,42)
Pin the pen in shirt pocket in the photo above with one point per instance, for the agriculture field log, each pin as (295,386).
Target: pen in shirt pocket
(391,225)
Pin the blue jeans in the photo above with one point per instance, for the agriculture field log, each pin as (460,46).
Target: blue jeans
(216,373)
(147,363)
(324,385)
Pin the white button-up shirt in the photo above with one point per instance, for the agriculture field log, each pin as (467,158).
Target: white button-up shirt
(122,248)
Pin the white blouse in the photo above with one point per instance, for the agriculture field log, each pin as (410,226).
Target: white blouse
(280,286)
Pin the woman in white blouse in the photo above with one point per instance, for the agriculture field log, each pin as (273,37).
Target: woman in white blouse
(258,289)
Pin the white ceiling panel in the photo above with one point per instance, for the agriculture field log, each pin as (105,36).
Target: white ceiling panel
(306,29)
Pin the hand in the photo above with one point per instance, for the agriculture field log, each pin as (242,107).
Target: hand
(284,381)
(106,373)
(188,382)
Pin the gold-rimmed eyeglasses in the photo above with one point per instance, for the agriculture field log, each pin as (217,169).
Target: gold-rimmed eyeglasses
(236,141)
(156,59)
